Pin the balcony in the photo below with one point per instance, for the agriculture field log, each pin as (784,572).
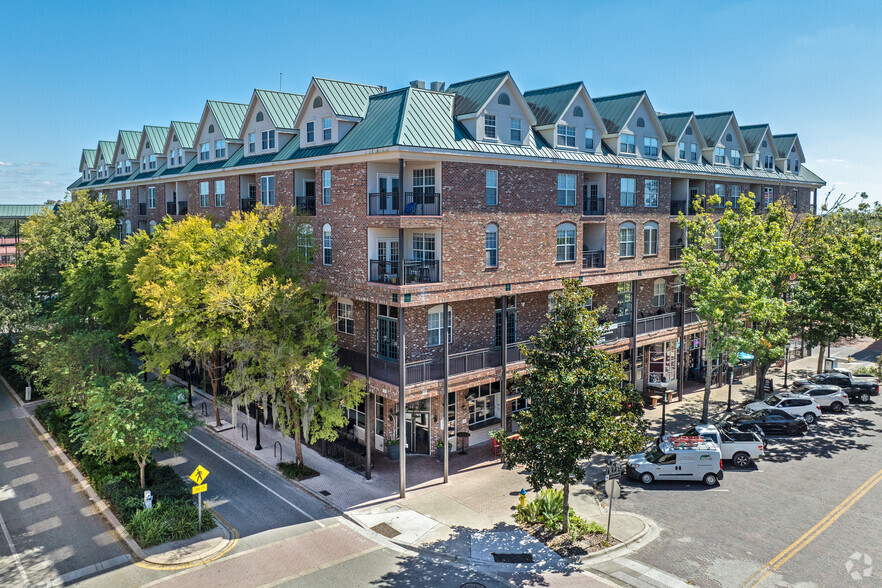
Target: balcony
(305,205)
(620,330)
(678,206)
(648,324)
(659,322)
(415,272)
(247,204)
(593,259)
(676,253)
(415,204)
(593,206)
(174,208)
(142,209)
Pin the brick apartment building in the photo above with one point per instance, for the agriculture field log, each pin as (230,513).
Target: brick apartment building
(475,197)
(12,216)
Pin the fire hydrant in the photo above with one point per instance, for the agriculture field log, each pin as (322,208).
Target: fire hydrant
(522,498)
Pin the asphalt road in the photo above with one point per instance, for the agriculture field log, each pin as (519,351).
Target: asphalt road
(797,518)
(49,528)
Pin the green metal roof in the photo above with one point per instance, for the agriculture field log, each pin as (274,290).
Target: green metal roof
(165,171)
(89,155)
(12,211)
(156,136)
(130,142)
(186,132)
(472,94)
(281,107)
(232,161)
(229,117)
(675,124)
(106,149)
(346,98)
(784,143)
(76,184)
(753,134)
(548,104)
(616,110)
(713,125)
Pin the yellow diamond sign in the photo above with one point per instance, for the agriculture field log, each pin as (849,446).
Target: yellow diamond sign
(199,474)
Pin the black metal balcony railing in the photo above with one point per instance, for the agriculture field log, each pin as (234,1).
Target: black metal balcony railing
(170,208)
(620,330)
(305,204)
(415,204)
(415,272)
(676,252)
(247,204)
(182,207)
(658,322)
(593,206)
(593,259)
(142,209)
(678,206)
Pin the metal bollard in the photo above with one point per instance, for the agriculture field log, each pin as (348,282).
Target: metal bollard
(243,430)
(280,449)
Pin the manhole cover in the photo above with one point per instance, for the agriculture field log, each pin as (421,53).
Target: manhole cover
(388,531)
(513,557)
(324,493)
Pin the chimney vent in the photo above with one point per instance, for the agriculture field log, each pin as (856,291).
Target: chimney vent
(383,89)
(418,84)
(437,86)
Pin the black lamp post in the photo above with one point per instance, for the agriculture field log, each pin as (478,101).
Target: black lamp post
(257,446)
(189,384)
(786,364)
(731,376)
(664,411)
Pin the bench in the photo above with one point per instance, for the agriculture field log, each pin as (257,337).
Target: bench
(651,400)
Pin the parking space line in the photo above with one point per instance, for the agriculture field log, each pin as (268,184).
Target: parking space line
(14,552)
(810,535)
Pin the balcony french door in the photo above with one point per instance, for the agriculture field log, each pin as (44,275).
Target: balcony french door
(388,188)
(387,332)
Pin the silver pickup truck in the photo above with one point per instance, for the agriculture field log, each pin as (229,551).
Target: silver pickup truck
(739,446)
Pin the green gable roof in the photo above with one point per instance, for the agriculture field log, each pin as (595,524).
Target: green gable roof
(784,143)
(472,94)
(130,142)
(12,211)
(76,184)
(229,117)
(89,155)
(674,124)
(186,132)
(616,110)
(753,134)
(281,107)
(713,125)
(346,98)
(548,104)
(156,136)
(106,149)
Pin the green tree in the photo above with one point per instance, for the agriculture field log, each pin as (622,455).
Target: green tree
(132,418)
(579,405)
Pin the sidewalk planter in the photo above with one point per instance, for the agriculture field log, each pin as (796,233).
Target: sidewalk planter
(439,450)
(393,449)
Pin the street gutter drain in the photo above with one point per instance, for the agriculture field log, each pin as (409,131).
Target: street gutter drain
(385,530)
(324,493)
(512,557)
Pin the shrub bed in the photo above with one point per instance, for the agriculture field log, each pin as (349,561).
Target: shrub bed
(174,516)
(543,518)
(297,472)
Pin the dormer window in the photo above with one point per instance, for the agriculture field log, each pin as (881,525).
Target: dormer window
(504,99)
(682,150)
(788,165)
(735,157)
(251,145)
(577,112)
(640,122)
(180,155)
(203,152)
(220,149)
(171,158)
(516,130)
(650,147)
(720,155)
(147,143)
(317,103)
(259,117)
(693,155)
(566,136)
(796,166)
(310,132)
(627,144)
(144,162)
(765,143)
(119,168)
(268,140)
(153,161)
(128,166)
(490,126)
(326,129)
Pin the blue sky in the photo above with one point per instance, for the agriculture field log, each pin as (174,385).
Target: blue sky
(76,72)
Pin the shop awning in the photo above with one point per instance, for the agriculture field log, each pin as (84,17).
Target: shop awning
(744,356)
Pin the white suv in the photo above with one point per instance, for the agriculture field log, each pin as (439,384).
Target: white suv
(831,397)
(795,404)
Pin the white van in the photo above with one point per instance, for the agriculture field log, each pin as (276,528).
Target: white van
(678,458)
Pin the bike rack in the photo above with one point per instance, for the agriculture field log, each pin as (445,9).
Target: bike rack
(280,449)
(243,430)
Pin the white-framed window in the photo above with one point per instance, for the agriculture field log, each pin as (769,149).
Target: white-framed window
(304,242)
(119,168)
(566,136)
(220,193)
(310,132)
(490,126)
(650,193)
(326,245)
(788,165)
(628,192)
(720,190)
(424,181)
(203,152)
(171,158)
(624,299)
(128,199)
(326,129)
(326,186)
(128,166)
(769,162)
(718,238)
(251,143)
(151,197)
(734,194)
(682,151)
(650,238)
(566,242)
(491,245)
(203,194)
(796,166)
(650,147)
(144,162)
(627,144)
(735,157)
(423,246)
(128,228)
(491,187)
(345,316)
(589,138)
(180,155)
(268,140)
(720,155)
(220,149)
(566,189)
(119,201)
(268,190)
(677,289)
(627,240)
(768,196)
(516,130)
(503,99)
(436,325)
(152,161)
(151,227)
(693,152)
(658,292)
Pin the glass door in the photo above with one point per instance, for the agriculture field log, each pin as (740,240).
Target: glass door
(387,332)
(417,434)
(388,187)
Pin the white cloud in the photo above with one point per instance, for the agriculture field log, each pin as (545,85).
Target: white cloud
(6,164)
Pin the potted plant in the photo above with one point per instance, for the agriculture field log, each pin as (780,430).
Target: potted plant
(392,446)
(439,449)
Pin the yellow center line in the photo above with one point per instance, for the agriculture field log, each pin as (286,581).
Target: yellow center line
(757,577)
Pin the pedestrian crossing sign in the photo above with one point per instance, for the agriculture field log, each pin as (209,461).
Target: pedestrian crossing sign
(199,474)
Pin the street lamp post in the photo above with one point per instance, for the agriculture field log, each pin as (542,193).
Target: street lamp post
(257,446)
(664,411)
(731,376)
(786,364)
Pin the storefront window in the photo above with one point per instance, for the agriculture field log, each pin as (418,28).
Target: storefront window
(662,362)
(483,404)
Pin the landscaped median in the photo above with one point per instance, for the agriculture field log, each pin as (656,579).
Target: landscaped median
(173,515)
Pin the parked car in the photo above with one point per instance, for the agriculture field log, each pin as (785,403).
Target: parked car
(795,404)
(678,458)
(771,421)
(857,387)
(831,397)
(742,447)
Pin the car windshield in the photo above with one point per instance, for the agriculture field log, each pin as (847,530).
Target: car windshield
(654,454)
(773,400)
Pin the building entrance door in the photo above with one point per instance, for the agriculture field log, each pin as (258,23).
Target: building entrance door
(417,434)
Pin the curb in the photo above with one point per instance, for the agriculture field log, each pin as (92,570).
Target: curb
(609,552)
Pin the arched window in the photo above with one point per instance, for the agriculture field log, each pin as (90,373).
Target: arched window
(577,112)
(128,228)
(728,136)
(174,138)
(152,227)
(210,128)
(345,316)
(627,239)
(491,245)
(436,325)
(504,99)
(566,242)
(640,122)
(658,292)
(688,130)
(326,245)
(304,243)
(650,238)
(259,117)
(317,103)
(718,238)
